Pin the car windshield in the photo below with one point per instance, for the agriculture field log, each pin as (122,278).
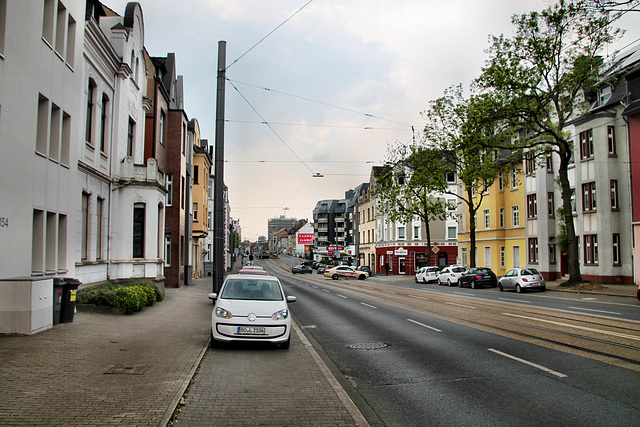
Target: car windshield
(458,269)
(246,289)
(529,272)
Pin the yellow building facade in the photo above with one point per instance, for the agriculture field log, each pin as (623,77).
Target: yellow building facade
(500,226)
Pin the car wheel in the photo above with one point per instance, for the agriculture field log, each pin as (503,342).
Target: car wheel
(500,287)
(473,284)
(417,280)
(543,289)
(424,280)
(214,342)
(460,284)
(449,284)
(285,345)
(362,277)
(335,277)
(518,289)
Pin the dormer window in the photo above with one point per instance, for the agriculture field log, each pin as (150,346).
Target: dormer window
(604,95)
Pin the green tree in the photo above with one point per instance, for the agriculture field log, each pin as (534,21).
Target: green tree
(402,191)
(462,137)
(538,80)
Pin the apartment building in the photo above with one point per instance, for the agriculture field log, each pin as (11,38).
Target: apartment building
(200,209)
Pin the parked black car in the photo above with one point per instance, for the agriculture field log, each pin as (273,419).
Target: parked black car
(477,277)
(364,268)
(301,269)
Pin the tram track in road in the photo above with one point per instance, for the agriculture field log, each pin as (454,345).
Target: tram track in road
(589,334)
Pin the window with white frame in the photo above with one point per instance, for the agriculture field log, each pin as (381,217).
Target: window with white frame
(611,140)
(533,249)
(90,110)
(552,253)
(590,249)
(138,230)
(131,135)
(586,144)
(589,196)
(169,179)
(501,181)
(515,215)
(617,260)
(551,205)
(452,233)
(514,179)
(401,234)
(501,217)
(613,184)
(532,205)
(103,123)
(416,232)
(167,250)
(487,219)
(503,256)
(549,163)
(195,212)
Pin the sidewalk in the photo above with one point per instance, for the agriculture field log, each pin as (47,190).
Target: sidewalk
(106,369)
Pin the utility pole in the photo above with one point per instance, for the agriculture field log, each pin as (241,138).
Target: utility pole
(218,198)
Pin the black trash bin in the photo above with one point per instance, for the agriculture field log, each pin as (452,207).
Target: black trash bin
(58,289)
(68,309)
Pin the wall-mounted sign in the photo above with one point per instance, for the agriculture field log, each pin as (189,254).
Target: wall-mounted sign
(401,252)
(305,238)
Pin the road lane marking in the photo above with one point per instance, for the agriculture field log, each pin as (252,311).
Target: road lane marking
(368,305)
(416,296)
(461,305)
(424,326)
(515,300)
(597,311)
(535,365)
(584,328)
(326,290)
(315,286)
(342,296)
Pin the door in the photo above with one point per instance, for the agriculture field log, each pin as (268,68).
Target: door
(401,268)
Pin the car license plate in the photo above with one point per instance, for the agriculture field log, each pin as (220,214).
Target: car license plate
(251,330)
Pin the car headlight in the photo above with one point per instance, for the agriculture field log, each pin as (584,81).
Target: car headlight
(280,315)
(221,312)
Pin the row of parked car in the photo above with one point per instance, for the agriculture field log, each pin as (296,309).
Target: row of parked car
(518,279)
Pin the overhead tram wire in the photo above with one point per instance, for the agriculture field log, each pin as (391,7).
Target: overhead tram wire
(321,103)
(271,32)
(314,125)
(271,127)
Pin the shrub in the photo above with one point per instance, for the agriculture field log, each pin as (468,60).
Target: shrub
(130,297)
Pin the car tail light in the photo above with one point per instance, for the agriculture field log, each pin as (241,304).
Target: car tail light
(524,279)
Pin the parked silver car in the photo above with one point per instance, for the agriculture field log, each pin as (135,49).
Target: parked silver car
(449,275)
(427,274)
(522,279)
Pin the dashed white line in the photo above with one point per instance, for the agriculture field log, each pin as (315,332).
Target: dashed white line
(326,290)
(368,305)
(597,311)
(423,325)
(416,296)
(535,365)
(342,296)
(461,305)
(515,300)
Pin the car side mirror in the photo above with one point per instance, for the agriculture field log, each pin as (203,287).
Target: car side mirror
(291,299)
(213,296)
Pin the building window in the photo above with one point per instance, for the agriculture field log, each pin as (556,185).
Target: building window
(514,179)
(54,137)
(487,219)
(400,232)
(99,222)
(3,24)
(611,140)
(551,205)
(167,250)
(614,194)
(131,132)
(88,132)
(103,123)
(61,26)
(184,139)
(42,131)
(195,175)
(549,163)
(71,42)
(65,142)
(529,166)
(195,212)
(515,215)
(138,230)
(182,192)
(84,244)
(533,249)
(532,205)
(161,130)
(573,201)
(590,249)
(169,189)
(552,254)
(586,144)
(452,233)
(503,256)
(501,217)
(589,197)
(501,181)
(450,177)
(617,260)
(48,22)
(416,232)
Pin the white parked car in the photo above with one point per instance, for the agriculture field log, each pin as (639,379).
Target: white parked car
(251,308)
(522,279)
(427,274)
(449,275)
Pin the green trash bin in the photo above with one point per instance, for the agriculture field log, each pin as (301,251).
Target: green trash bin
(69,292)
(58,289)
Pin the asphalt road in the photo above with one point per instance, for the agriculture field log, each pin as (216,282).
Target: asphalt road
(441,356)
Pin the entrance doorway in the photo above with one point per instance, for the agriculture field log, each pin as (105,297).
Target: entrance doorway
(401,268)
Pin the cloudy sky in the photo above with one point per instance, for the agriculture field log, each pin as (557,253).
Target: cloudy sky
(337,83)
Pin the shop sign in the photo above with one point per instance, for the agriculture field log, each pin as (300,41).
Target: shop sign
(401,252)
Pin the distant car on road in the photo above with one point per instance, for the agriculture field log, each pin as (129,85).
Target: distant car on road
(449,275)
(522,279)
(364,268)
(345,271)
(477,277)
(427,274)
(302,269)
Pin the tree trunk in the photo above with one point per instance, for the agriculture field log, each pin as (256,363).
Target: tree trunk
(565,187)
(472,229)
